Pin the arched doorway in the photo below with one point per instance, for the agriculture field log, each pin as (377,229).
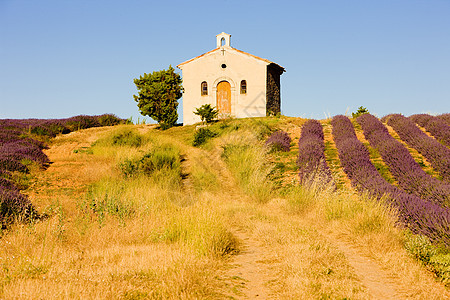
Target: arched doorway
(224,98)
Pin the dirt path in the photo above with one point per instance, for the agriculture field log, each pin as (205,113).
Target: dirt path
(251,270)
(369,273)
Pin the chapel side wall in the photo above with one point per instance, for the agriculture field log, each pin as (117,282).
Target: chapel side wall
(273,106)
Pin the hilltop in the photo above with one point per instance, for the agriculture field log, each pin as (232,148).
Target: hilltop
(133,212)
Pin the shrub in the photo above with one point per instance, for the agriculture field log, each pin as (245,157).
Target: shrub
(15,206)
(445,118)
(7,184)
(126,138)
(121,137)
(110,120)
(361,110)
(202,135)
(19,146)
(279,141)
(207,113)
(164,157)
(11,164)
(437,259)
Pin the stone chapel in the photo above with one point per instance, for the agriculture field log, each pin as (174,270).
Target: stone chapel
(237,83)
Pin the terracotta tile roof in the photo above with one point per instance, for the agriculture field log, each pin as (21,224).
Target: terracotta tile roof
(239,51)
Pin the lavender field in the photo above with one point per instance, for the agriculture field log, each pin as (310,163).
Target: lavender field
(21,145)
(421,215)
(306,201)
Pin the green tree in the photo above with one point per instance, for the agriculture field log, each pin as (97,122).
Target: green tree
(158,96)
(207,113)
(361,110)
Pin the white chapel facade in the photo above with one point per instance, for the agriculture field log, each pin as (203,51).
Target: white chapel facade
(237,83)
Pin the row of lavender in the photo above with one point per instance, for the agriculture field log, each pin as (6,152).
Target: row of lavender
(436,153)
(52,127)
(445,118)
(311,148)
(421,216)
(436,125)
(408,173)
(19,146)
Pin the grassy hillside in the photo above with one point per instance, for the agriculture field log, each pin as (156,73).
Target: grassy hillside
(133,212)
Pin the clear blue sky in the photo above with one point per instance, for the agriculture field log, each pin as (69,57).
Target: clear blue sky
(60,58)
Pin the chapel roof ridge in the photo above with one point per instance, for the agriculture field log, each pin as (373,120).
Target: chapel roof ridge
(237,50)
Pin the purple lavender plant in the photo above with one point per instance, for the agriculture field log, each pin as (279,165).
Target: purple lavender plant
(445,118)
(408,173)
(18,144)
(434,125)
(311,148)
(279,141)
(421,216)
(436,153)
(14,206)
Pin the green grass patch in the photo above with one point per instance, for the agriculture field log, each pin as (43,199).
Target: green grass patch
(122,136)
(435,258)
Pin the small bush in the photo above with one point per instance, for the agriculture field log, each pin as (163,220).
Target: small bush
(361,111)
(122,137)
(40,130)
(129,167)
(441,266)
(126,138)
(164,157)
(81,122)
(14,206)
(279,141)
(420,247)
(207,113)
(202,135)
(11,164)
(110,120)
(437,259)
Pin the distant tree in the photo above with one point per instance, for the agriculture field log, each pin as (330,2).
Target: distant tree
(361,110)
(158,96)
(207,113)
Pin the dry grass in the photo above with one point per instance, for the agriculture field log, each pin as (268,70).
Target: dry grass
(119,238)
(159,237)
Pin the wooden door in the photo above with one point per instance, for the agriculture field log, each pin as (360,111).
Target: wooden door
(224,99)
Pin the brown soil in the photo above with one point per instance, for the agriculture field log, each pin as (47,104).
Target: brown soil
(251,270)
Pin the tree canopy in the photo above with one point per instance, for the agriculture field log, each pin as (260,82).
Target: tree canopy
(361,110)
(158,95)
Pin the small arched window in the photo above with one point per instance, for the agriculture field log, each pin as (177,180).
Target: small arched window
(222,42)
(204,88)
(243,87)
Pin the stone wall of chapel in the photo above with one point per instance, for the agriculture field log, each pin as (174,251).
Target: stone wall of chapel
(273,91)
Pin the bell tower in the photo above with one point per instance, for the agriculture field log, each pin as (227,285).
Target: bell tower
(223,40)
